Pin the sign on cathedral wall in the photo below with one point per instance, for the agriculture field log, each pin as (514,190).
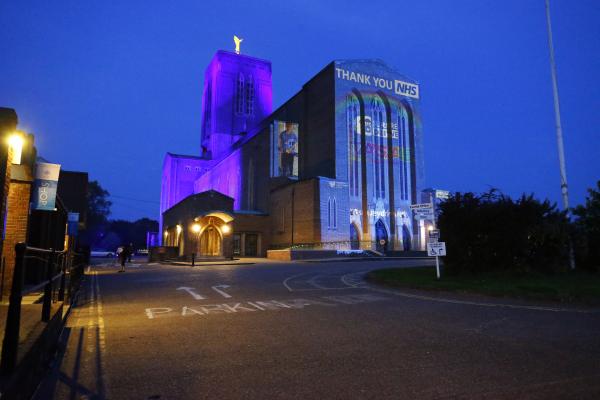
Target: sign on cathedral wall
(284,149)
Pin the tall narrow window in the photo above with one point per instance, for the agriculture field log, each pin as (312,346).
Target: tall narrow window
(382,136)
(329,213)
(239,95)
(405,151)
(250,185)
(249,96)
(352,121)
(334,213)
(207,111)
(378,117)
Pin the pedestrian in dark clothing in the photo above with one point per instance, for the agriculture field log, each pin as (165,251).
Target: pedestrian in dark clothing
(123,256)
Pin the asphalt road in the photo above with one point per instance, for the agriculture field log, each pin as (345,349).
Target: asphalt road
(313,331)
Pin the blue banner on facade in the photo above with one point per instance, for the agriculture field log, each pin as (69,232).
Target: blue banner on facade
(73,224)
(46,183)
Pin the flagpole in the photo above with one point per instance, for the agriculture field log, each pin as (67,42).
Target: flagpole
(559,136)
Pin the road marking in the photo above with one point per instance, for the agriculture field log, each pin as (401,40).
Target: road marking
(222,293)
(151,312)
(480,304)
(292,277)
(190,290)
(263,305)
(317,286)
(356,282)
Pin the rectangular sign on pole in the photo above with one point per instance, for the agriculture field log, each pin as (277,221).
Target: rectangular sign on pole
(434,235)
(442,194)
(435,249)
(72,224)
(46,182)
(422,211)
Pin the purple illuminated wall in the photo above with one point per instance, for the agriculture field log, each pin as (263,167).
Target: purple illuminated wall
(237,95)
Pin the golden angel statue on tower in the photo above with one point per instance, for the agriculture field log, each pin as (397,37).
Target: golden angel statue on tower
(237,42)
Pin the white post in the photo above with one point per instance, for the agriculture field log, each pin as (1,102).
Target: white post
(437,259)
(559,136)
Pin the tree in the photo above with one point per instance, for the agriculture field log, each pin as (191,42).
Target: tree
(98,210)
(98,205)
(587,230)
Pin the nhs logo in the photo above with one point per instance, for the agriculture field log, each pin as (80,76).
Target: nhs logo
(406,89)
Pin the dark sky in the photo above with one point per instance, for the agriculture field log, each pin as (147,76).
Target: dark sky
(108,88)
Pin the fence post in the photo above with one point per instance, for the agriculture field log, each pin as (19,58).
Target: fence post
(61,291)
(13,318)
(48,288)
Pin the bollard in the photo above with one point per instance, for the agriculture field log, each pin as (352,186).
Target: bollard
(48,288)
(193,258)
(13,317)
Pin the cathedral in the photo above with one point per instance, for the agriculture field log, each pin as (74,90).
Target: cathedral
(335,168)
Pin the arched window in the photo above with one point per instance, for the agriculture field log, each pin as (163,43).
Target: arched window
(329,213)
(334,213)
(239,95)
(404,153)
(249,96)
(352,121)
(378,117)
(207,110)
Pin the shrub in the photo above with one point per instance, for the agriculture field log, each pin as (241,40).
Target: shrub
(587,231)
(494,233)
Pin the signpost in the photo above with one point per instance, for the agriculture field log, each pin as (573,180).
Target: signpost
(436,249)
(422,211)
(442,194)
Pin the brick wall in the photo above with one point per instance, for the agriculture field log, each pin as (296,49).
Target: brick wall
(17,218)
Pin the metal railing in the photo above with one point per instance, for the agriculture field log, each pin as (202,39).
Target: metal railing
(57,267)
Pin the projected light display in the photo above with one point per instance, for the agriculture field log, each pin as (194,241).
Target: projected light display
(284,149)
(377,119)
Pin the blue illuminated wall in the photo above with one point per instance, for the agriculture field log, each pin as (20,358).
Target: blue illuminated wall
(378,152)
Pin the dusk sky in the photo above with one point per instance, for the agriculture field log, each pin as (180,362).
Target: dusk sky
(109,87)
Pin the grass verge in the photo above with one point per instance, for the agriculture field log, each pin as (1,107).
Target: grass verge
(570,287)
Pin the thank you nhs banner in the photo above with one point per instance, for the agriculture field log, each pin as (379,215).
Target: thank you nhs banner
(395,86)
(46,182)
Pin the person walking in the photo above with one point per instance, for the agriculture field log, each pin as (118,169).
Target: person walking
(123,256)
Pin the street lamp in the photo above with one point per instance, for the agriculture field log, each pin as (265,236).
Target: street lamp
(15,142)
(225,229)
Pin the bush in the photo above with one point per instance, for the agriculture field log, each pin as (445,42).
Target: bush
(494,233)
(587,231)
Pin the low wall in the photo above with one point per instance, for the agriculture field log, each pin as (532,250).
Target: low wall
(299,254)
(162,253)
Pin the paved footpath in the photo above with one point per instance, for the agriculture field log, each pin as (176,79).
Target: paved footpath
(313,331)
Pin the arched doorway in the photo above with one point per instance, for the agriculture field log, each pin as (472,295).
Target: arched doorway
(354,238)
(381,237)
(210,242)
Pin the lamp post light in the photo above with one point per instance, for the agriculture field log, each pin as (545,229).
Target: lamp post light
(15,142)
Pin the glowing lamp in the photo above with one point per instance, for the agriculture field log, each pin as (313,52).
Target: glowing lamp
(430,228)
(196,228)
(15,142)
(225,228)
(166,233)
(178,228)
